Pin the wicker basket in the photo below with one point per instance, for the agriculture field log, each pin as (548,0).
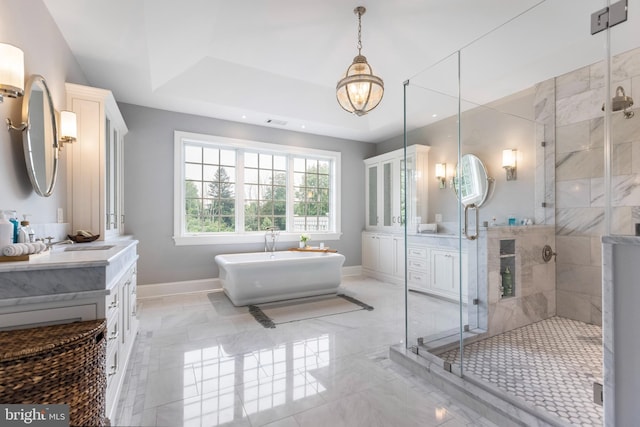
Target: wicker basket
(61,364)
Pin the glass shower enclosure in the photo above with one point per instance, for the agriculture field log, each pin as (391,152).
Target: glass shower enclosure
(531,172)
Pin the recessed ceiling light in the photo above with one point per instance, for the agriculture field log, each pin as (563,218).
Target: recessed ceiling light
(244,116)
(434,115)
(303,127)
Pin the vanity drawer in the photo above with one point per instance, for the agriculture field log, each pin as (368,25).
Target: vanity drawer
(113,366)
(417,264)
(112,302)
(113,332)
(417,277)
(413,251)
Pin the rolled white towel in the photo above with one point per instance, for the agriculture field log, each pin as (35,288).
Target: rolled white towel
(11,250)
(41,247)
(25,248)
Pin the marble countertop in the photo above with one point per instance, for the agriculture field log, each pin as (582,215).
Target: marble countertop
(61,258)
(622,240)
(61,274)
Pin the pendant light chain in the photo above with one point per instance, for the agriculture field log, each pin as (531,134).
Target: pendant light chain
(359,33)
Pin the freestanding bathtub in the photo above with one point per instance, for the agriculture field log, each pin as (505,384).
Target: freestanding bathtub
(258,277)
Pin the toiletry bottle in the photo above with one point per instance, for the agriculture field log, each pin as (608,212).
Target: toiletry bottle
(25,234)
(507,282)
(6,230)
(13,218)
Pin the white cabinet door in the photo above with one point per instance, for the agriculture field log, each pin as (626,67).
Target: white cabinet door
(385,180)
(398,248)
(371,179)
(445,273)
(370,248)
(94,168)
(386,256)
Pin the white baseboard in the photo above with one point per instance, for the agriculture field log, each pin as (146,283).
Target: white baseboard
(173,288)
(352,270)
(205,285)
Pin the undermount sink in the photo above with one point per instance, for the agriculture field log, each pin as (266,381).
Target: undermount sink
(87,248)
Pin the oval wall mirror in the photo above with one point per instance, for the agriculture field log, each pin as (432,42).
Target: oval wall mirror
(40,136)
(472,183)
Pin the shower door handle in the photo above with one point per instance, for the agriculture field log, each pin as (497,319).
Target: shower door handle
(466,221)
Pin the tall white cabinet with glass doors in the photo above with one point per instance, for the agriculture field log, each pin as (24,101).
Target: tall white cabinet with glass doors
(383,238)
(95,178)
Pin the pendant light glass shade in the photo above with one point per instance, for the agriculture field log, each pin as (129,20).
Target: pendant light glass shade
(359,91)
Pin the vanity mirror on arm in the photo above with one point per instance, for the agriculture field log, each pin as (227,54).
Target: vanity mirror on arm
(472,183)
(39,135)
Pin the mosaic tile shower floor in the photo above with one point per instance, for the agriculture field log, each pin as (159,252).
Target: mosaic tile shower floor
(551,364)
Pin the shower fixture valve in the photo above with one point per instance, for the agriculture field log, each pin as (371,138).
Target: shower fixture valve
(547,253)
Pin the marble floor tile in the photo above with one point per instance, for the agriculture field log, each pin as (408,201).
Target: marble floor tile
(198,360)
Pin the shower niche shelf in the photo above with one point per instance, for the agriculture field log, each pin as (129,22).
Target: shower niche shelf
(507,268)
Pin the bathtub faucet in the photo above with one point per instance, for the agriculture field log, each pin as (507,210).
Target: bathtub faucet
(272,233)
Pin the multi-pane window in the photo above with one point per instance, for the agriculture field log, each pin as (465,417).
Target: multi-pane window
(265,191)
(228,186)
(311,180)
(210,175)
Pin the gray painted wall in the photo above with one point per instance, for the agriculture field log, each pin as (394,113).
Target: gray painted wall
(148,178)
(485,133)
(28,25)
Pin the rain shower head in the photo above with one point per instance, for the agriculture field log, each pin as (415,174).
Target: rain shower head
(621,102)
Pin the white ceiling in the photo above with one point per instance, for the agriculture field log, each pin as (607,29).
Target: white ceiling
(249,61)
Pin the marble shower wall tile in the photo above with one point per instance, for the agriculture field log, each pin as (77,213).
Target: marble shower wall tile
(575,193)
(623,66)
(574,250)
(579,164)
(625,191)
(582,106)
(573,83)
(622,130)
(579,174)
(580,221)
(573,137)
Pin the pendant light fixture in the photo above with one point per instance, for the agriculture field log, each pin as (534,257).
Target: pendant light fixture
(359,91)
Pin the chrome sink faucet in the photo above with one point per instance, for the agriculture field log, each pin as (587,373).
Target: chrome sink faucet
(272,233)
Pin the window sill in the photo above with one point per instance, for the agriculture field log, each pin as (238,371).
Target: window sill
(229,239)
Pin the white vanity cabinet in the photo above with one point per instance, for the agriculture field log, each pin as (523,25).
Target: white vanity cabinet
(384,180)
(95,162)
(122,327)
(383,256)
(436,270)
(71,286)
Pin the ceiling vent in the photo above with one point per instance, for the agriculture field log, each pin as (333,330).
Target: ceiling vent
(276,122)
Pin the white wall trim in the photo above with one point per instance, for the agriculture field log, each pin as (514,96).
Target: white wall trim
(352,270)
(205,285)
(173,288)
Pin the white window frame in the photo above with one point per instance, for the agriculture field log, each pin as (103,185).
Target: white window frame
(181,238)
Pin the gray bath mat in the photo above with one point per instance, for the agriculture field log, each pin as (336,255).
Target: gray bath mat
(276,313)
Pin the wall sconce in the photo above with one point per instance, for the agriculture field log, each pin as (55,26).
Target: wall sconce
(11,71)
(509,163)
(441,174)
(68,128)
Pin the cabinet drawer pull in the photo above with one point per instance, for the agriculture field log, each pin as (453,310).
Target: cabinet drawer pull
(113,370)
(114,304)
(113,336)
